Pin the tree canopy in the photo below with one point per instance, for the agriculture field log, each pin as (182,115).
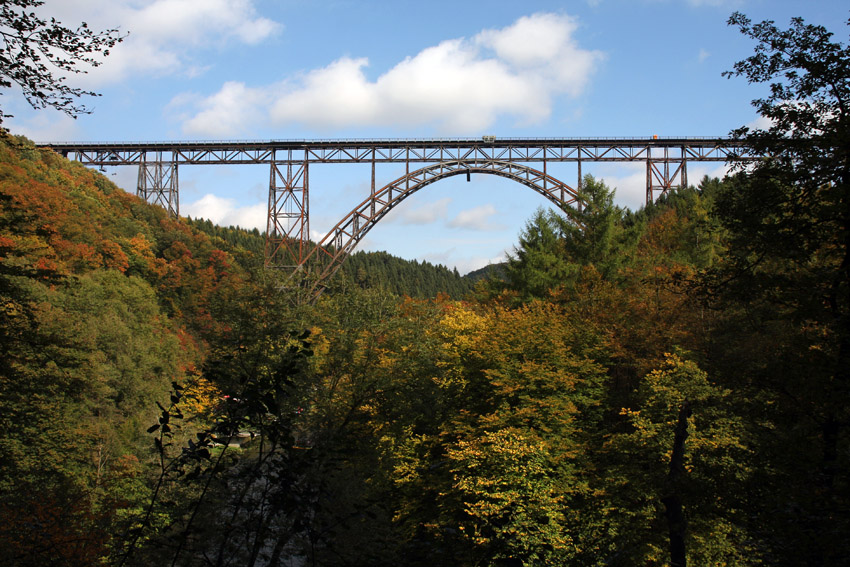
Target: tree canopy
(661,387)
(37,53)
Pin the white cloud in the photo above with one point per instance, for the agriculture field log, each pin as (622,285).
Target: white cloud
(466,265)
(538,48)
(457,86)
(423,214)
(448,85)
(761,123)
(629,179)
(696,171)
(703,55)
(224,212)
(198,22)
(476,218)
(233,108)
(251,216)
(163,33)
(44,127)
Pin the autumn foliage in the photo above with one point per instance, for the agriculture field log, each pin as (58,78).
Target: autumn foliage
(660,387)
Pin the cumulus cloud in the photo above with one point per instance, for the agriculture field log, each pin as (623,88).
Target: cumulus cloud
(627,179)
(464,264)
(196,22)
(457,86)
(423,214)
(476,218)
(44,127)
(232,108)
(225,212)
(696,171)
(163,33)
(761,123)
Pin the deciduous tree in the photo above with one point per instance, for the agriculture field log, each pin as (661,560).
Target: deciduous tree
(784,288)
(37,53)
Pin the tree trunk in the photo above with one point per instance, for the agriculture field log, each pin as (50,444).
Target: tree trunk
(673,509)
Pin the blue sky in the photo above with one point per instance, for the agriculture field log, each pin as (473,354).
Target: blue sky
(299,69)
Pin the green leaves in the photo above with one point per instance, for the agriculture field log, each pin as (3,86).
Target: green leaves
(512,508)
(685,450)
(784,292)
(553,249)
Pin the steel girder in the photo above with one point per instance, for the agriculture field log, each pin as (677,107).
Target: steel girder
(328,255)
(417,151)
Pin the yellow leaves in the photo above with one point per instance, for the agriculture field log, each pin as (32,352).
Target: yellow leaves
(201,397)
(459,329)
(320,342)
(403,451)
(503,480)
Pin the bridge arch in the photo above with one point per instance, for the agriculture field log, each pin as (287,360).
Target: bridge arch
(331,251)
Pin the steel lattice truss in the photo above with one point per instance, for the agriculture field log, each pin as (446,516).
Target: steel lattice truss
(157,184)
(342,239)
(287,234)
(401,151)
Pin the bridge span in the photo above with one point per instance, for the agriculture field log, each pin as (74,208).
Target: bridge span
(525,160)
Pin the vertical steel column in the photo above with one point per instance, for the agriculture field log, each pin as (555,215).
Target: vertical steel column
(372,195)
(579,203)
(661,177)
(157,183)
(288,223)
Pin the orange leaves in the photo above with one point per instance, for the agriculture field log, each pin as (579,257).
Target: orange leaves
(664,234)
(53,524)
(140,246)
(47,265)
(113,256)
(6,244)
(141,258)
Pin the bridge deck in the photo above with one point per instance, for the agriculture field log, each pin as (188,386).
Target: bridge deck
(402,150)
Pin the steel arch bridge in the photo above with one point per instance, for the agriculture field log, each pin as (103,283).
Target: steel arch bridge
(337,244)
(524,160)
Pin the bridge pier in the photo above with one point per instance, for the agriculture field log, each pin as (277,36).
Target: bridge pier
(665,173)
(157,183)
(288,223)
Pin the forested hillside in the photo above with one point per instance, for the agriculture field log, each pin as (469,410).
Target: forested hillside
(105,302)
(378,270)
(666,386)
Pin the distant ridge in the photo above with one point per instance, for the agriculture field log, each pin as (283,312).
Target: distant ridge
(379,270)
